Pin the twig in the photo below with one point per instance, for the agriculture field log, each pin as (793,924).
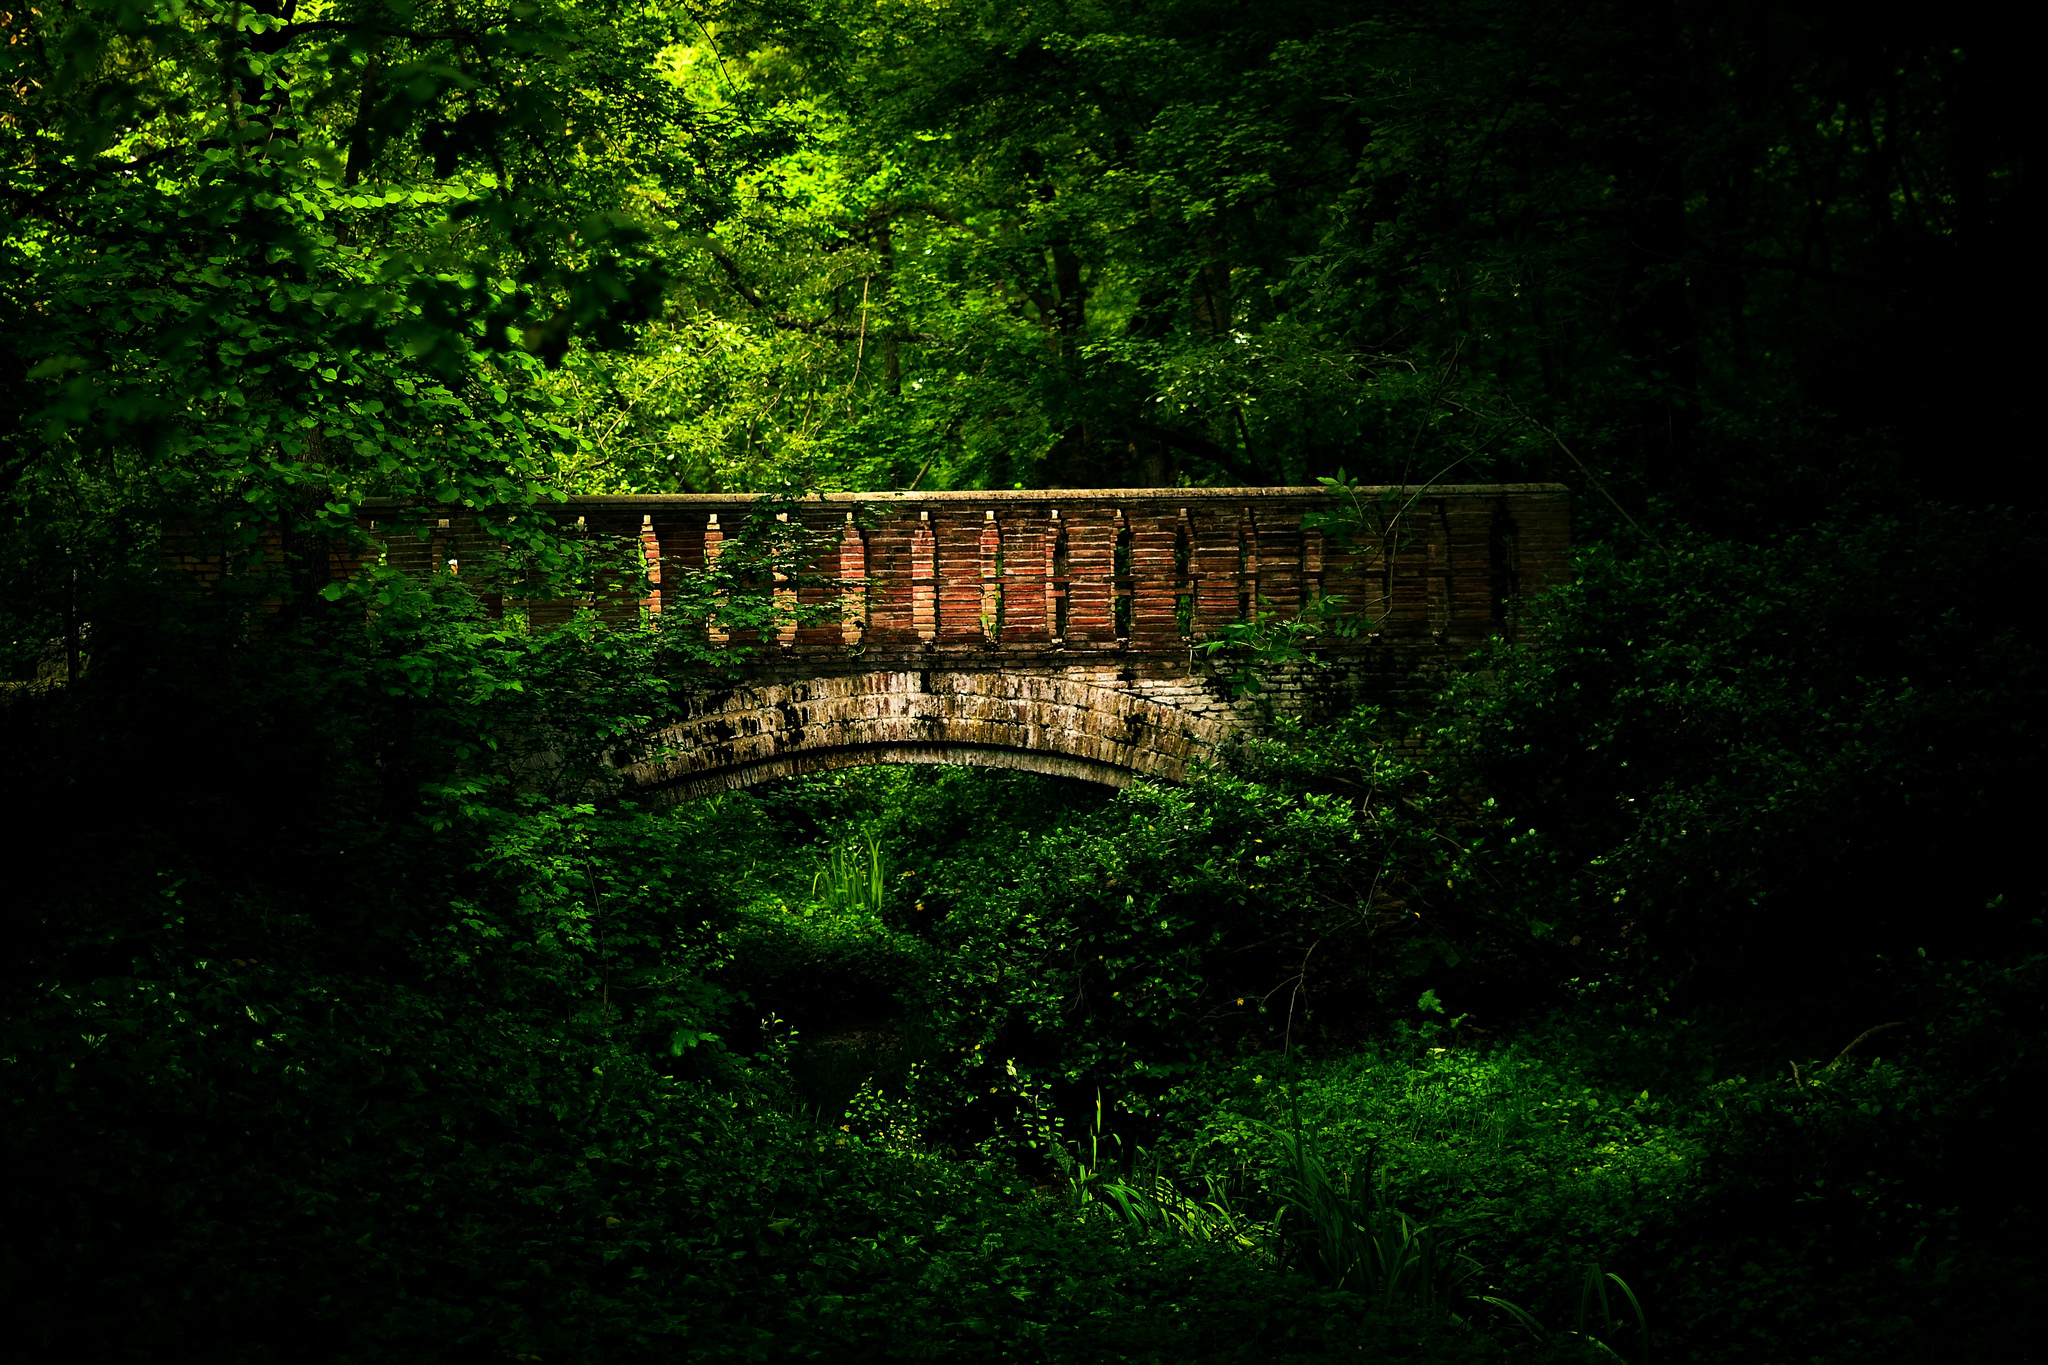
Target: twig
(831,331)
(1864,1037)
(1300,986)
(861,342)
(1591,477)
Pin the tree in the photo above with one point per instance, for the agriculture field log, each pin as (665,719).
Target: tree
(270,259)
(1692,254)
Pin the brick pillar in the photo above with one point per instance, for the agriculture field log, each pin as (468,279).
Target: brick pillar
(1543,524)
(1408,562)
(1183,576)
(1350,566)
(818,595)
(461,548)
(1433,526)
(678,537)
(888,544)
(1386,546)
(1468,530)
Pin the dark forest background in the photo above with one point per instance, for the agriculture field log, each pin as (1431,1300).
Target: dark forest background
(1672,990)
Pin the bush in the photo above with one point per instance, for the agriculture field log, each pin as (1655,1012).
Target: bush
(1514,1155)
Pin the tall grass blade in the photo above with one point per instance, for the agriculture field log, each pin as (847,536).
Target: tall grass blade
(1635,1305)
(1349,1238)
(854,878)
(1522,1316)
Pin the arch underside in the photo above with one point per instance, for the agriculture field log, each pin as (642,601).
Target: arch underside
(1029,722)
(949,755)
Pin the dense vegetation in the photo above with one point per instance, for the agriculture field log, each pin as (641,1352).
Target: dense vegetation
(1670,987)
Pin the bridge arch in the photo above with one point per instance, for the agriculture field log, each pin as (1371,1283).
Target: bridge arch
(1047,722)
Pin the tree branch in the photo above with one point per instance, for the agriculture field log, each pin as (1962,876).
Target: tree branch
(831,331)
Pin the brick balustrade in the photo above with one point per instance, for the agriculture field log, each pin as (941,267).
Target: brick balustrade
(1135,570)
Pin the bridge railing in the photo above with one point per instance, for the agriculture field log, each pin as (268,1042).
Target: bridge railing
(1142,570)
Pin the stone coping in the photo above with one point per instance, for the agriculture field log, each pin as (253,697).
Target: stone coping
(653,501)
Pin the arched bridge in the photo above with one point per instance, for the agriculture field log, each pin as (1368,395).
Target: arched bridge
(1053,631)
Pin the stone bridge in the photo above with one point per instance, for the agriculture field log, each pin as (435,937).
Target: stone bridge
(1051,631)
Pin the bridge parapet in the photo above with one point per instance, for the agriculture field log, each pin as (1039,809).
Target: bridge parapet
(1028,574)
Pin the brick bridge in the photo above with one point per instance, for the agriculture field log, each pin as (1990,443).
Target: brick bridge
(1051,631)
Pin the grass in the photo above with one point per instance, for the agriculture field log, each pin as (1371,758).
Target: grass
(1346,1235)
(1414,1172)
(854,879)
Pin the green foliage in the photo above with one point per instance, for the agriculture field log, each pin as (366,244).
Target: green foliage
(1114,244)
(1875,1209)
(1723,736)
(1267,640)
(853,878)
(811,964)
(1153,1205)
(1841,1210)
(265,1135)
(1521,1161)
(1345,1233)
(1593,1294)
(1147,1202)
(463,924)
(374,1024)
(258,263)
